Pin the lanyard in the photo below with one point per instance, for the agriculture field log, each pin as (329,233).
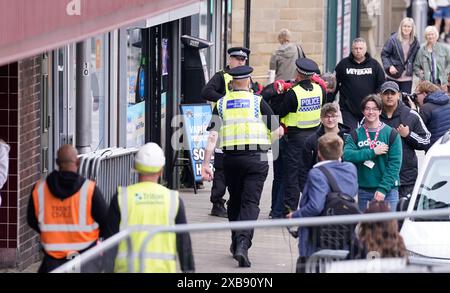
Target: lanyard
(372,143)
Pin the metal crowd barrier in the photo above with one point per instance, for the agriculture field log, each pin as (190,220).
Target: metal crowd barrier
(324,258)
(109,168)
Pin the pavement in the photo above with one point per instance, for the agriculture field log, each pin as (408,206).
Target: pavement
(273,251)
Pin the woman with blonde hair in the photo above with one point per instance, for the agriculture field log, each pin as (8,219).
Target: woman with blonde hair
(283,59)
(398,55)
(433,60)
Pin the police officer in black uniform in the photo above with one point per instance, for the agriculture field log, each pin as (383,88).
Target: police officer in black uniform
(299,109)
(243,120)
(215,89)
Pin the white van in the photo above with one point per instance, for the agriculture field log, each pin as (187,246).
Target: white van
(429,239)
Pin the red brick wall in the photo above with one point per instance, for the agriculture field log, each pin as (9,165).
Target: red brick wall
(28,154)
(9,133)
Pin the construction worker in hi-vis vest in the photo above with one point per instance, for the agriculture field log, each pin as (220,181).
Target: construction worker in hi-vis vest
(299,109)
(149,203)
(69,212)
(217,87)
(245,125)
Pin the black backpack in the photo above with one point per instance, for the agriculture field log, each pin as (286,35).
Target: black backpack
(337,203)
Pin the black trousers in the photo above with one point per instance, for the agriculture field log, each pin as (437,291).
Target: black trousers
(292,165)
(219,186)
(245,176)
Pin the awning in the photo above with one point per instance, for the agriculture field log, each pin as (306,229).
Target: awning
(30,27)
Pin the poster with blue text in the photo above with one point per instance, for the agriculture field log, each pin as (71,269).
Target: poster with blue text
(196,120)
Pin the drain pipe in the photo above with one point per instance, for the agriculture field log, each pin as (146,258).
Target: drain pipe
(420,16)
(83,136)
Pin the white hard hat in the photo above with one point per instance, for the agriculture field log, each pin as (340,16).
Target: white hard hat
(149,159)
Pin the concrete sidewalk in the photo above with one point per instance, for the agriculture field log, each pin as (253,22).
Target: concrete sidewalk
(273,250)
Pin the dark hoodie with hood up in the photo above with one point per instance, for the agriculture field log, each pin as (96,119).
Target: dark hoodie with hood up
(357,80)
(435,113)
(63,185)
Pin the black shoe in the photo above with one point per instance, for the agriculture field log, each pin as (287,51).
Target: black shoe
(241,255)
(219,210)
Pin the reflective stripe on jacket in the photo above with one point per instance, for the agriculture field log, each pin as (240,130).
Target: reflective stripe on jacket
(66,225)
(308,111)
(148,203)
(242,121)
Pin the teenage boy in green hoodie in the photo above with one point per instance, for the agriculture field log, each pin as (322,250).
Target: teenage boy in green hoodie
(377,156)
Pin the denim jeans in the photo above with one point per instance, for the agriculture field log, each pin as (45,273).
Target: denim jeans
(365,196)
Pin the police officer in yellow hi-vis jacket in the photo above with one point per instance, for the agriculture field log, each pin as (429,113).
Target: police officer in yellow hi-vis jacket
(245,124)
(217,87)
(299,109)
(148,203)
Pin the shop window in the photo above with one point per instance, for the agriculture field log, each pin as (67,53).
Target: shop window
(99,82)
(135,89)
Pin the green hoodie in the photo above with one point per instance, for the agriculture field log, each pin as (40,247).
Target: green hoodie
(384,176)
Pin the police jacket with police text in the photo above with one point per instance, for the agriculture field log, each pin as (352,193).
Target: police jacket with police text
(287,103)
(418,139)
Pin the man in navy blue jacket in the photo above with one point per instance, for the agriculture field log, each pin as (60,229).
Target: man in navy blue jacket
(312,201)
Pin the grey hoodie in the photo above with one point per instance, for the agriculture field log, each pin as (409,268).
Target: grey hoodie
(283,61)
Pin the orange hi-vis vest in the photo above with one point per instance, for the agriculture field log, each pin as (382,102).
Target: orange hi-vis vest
(66,225)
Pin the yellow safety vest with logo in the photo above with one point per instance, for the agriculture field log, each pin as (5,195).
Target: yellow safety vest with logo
(147,203)
(242,122)
(308,111)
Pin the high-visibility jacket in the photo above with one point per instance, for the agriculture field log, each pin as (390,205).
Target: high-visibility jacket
(66,225)
(147,203)
(227,78)
(242,122)
(308,111)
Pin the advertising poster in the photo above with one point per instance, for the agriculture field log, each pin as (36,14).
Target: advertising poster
(196,119)
(136,125)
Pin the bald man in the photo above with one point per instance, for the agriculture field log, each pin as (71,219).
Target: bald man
(68,211)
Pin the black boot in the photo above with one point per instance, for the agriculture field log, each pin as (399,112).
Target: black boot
(241,255)
(219,210)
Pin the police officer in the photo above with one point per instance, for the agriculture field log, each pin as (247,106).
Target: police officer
(300,111)
(215,89)
(245,122)
(148,203)
(69,212)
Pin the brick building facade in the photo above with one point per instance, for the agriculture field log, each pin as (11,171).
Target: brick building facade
(20,87)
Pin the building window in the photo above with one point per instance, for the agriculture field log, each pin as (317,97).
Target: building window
(135,89)
(99,88)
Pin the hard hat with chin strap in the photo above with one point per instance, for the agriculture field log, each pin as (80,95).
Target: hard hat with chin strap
(149,159)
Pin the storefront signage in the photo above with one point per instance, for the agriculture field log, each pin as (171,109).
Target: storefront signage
(31,27)
(196,118)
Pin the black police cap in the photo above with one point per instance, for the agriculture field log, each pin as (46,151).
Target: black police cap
(306,66)
(239,52)
(240,72)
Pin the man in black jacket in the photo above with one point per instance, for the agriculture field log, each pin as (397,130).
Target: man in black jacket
(329,116)
(357,76)
(414,133)
(64,185)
